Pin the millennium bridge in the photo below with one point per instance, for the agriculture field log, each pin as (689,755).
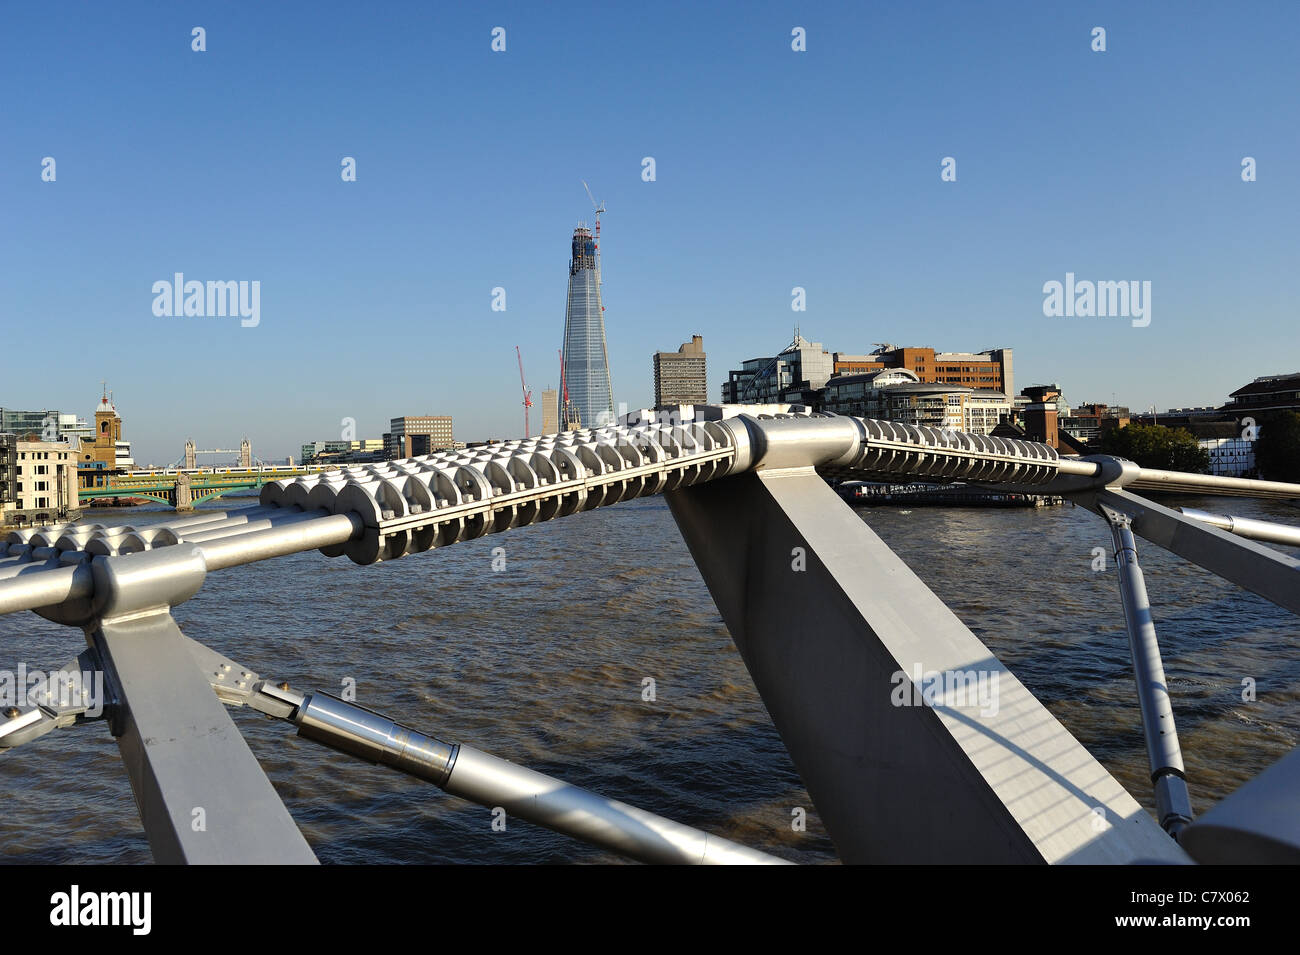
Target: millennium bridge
(826,617)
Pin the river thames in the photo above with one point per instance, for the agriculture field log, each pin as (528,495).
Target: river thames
(543,661)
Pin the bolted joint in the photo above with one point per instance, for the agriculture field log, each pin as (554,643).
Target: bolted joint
(1173,805)
(1116,519)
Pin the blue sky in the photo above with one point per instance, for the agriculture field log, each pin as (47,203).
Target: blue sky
(774,169)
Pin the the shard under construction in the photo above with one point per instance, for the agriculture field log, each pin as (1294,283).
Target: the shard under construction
(590,397)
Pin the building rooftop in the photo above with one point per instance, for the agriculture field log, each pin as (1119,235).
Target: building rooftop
(869,376)
(928,387)
(1270,384)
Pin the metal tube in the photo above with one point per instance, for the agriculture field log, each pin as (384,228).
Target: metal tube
(236,527)
(1257,567)
(474,775)
(1149,479)
(1173,805)
(17,565)
(613,825)
(1247,527)
(278,541)
(374,738)
(197,518)
(206,520)
(1075,466)
(43,587)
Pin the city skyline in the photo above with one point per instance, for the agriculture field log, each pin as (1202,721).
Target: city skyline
(819,170)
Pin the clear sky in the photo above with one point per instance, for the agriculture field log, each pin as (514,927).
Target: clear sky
(774,169)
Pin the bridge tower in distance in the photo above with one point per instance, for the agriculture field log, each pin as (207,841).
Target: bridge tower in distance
(191,458)
(245,454)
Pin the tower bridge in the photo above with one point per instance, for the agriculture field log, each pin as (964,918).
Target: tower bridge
(189,460)
(824,646)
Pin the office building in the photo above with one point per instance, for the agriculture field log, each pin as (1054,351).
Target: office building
(338,452)
(585,355)
(990,370)
(681,377)
(415,435)
(550,411)
(899,395)
(793,376)
(47,425)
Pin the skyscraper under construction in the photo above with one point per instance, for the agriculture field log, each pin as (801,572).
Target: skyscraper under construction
(586,358)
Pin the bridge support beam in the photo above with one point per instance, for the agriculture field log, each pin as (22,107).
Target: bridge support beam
(202,796)
(1258,568)
(915,743)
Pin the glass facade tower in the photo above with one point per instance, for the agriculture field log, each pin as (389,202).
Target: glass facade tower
(586,359)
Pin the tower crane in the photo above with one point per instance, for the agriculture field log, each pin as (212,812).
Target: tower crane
(528,392)
(569,417)
(599,207)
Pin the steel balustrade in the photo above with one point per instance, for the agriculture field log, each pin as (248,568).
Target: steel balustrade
(118,583)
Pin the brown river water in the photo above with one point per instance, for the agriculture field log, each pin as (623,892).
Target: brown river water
(542,663)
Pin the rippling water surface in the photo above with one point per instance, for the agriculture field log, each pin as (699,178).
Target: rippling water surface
(542,663)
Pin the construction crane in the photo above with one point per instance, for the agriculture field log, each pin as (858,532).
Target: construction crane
(600,282)
(599,207)
(528,393)
(569,416)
